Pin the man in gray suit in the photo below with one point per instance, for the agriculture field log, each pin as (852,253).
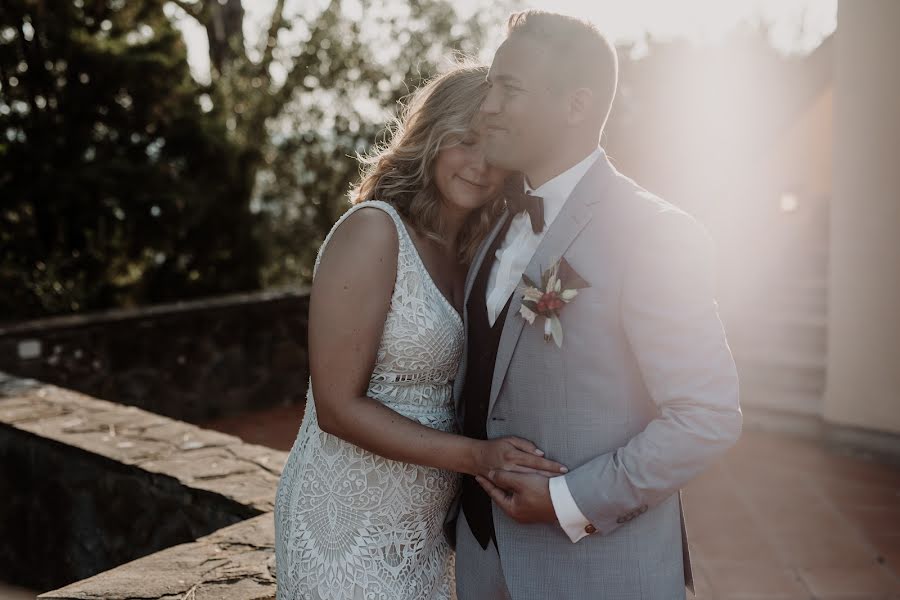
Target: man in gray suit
(633,386)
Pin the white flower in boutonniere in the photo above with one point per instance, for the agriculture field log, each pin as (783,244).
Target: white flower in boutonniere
(559,286)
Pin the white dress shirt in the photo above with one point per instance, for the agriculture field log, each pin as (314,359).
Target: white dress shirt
(513,255)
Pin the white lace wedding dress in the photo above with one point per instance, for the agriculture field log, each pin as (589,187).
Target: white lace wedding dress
(352,525)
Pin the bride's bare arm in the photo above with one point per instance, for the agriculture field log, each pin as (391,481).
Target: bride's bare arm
(349,302)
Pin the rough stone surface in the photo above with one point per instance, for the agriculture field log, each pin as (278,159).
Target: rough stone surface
(236,562)
(196,457)
(91,484)
(193,361)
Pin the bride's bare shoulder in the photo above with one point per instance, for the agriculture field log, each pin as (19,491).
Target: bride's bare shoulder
(366,243)
(370,223)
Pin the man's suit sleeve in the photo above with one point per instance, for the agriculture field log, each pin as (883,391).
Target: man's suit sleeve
(670,318)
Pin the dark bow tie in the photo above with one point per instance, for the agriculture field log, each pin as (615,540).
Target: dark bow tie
(519,200)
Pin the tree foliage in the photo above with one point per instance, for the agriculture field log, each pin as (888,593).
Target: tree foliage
(318,89)
(124,180)
(111,185)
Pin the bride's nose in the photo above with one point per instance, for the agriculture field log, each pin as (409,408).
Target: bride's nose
(479,163)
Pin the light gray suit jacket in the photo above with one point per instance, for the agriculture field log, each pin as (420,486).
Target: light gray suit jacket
(641,397)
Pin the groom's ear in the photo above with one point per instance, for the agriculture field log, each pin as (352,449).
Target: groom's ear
(581,106)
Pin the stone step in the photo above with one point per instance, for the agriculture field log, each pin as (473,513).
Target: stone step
(804,320)
(781,366)
(793,339)
(798,403)
(789,297)
(778,358)
(781,381)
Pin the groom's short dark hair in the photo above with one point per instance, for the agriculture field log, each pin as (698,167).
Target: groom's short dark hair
(588,59)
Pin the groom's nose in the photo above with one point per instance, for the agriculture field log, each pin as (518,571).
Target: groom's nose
(491,104)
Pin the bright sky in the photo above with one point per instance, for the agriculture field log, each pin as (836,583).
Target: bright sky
(797,26)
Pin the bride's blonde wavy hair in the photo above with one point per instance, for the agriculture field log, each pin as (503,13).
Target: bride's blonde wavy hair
(401,170)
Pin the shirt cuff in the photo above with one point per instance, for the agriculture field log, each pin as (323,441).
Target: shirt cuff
(569,516)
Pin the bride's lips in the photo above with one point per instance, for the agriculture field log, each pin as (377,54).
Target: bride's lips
(473,184)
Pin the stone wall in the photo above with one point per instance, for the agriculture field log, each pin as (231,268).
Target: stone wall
(234,563)
(90,484)
(193,361)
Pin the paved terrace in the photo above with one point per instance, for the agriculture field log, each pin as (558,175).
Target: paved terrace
(777,518)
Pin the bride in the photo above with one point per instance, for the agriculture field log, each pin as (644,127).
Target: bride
(361,501)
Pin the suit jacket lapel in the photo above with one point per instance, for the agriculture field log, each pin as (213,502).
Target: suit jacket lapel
(572,218)
(480,255)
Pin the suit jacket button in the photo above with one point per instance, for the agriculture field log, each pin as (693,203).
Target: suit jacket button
(620,520)
(644,509)
(589,528)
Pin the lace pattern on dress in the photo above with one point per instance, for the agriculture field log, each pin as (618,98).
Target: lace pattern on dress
(350,524)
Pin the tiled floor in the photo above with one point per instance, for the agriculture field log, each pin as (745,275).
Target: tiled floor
(784,518)
(777,518)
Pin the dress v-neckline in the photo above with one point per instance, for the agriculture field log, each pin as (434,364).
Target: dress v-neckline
(428,275)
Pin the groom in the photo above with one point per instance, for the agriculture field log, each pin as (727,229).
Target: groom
(634,388)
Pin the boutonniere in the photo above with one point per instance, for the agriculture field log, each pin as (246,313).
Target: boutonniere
(559,286)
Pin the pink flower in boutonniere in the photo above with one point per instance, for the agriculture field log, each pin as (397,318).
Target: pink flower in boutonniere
(559,286)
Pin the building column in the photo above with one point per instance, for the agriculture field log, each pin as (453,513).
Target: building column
(863,374)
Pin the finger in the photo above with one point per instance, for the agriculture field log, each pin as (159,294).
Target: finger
(506,480)
(539,464)
(489,485)
(524,445)
(530,471)
(547,474)
(496,494)
(525,470)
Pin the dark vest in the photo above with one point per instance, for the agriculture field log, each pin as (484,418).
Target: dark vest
(482,344)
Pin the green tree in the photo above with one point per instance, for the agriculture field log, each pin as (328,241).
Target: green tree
(126,181)
(115,187)
(318,89)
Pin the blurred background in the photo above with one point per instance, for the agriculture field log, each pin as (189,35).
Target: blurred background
(159,151)
(168,170)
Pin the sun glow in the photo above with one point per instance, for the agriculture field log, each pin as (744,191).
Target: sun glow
(794,26)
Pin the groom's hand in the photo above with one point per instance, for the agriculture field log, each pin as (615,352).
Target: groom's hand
(524,497)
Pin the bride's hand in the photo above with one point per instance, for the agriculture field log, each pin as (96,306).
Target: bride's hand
(511,453)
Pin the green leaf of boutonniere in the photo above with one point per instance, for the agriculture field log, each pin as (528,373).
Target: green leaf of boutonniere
(528,281)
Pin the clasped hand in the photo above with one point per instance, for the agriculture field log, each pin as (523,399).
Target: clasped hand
(515,474)
(524,497)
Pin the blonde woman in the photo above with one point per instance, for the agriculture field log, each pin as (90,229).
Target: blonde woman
(377,461)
